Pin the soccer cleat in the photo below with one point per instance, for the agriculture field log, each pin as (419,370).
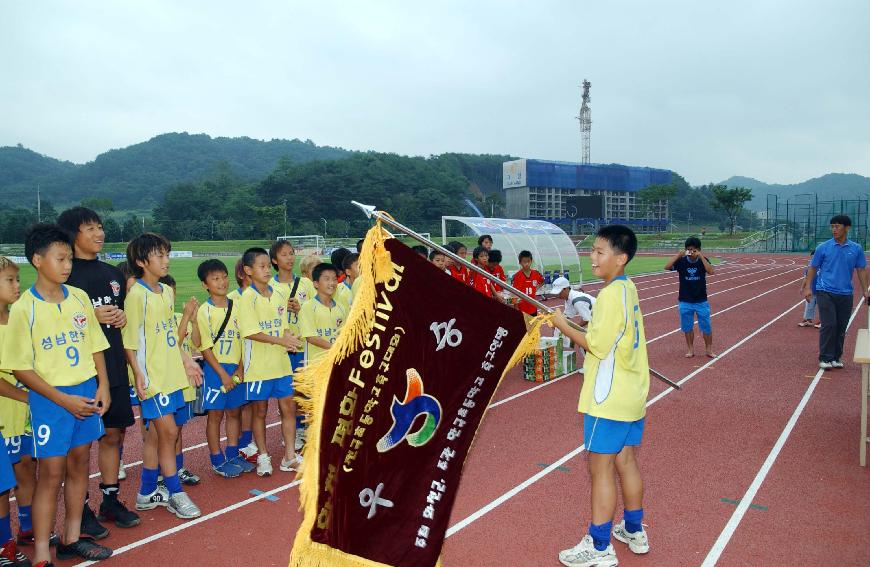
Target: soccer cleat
(264,465)
(113,510)
(243,463)
(187,477)
(11,557)
(182,506)
(637,542)
(122,474)
(291,465)
(84,548)
(837,364)
(584,554)
(250,452)
(160,497)
(228,469)
(90,526)
(300,438)
(824,365)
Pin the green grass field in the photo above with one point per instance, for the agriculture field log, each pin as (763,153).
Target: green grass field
(184,272)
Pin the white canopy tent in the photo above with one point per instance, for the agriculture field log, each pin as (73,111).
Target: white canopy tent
(553,252)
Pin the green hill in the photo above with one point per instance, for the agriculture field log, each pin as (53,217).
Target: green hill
(827,187)
(136,177)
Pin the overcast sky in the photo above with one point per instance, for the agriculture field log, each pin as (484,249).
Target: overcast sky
(776,90)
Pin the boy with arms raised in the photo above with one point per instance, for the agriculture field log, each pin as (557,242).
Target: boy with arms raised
(16,443)
(613,399)
(160,370)
(268,374)
(54,346)
(104,284)
(220,343)
(693,267)
(322,317)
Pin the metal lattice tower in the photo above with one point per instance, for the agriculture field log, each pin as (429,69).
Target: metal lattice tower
(585,119)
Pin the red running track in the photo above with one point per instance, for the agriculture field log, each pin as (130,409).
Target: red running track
(525,492)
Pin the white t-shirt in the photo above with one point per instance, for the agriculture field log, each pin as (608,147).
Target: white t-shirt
(579,304)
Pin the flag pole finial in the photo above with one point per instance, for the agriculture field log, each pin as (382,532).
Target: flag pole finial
(369,210)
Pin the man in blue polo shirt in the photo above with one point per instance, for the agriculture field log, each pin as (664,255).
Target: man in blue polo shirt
(834,262)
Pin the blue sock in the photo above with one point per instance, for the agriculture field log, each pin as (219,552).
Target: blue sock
(173,485)
(232,451)
(632,520)
(179,461)
(299,419)
(149,481)
(5,529)
(120,452)
(217,460)
(25,518)
(601,535)
(246,438)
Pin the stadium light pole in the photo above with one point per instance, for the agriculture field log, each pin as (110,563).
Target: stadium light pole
(324,226)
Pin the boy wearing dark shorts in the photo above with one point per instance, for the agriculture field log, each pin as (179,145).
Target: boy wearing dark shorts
(105,286)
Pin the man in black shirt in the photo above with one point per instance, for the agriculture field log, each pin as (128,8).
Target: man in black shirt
(105,285)
(693,268)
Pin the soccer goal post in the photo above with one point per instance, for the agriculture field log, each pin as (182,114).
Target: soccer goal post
(305,244)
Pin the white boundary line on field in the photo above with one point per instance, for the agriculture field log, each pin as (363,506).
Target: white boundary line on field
(737,516)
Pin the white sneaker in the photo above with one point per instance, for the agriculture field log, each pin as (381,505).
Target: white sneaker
(249,451)
(300,439)
(290,465)
(122,474)
(637,542)
(826,365)
(182,506)
(837,364)
(264,465)
(160,497)
(584,554)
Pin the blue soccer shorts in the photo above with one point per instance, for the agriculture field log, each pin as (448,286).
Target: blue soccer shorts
(687,316)
(157,406)
(19,446)
(213,397)
(134,398)
(609,436)
(7,475)
(297,360)
(265,389)
(55,430)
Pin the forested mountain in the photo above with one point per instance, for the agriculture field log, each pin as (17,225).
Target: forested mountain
(136,177)
(827,187)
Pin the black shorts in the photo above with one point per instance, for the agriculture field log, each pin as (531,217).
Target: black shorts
(120,414)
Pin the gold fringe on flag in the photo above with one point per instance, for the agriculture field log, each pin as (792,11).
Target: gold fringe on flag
(530,341)
(377,267)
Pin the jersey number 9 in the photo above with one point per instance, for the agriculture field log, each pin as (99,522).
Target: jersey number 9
(72,353)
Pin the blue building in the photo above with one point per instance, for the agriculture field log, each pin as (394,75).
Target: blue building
(538,189)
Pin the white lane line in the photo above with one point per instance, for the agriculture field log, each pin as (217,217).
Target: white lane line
(741,276)
(196,522)
(493,504)
(752,491)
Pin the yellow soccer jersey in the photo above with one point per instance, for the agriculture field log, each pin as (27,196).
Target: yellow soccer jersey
(301,294)
(14,415)
(236,294)
(344,295)
(321,321)
(152,332)
(306,291)
(268,315)
(616,369)
(228,348)
(57,340)
(355,287)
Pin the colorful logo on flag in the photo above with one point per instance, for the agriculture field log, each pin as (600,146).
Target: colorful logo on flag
(405,414)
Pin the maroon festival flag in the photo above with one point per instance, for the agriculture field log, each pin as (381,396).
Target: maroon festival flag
(394,424)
